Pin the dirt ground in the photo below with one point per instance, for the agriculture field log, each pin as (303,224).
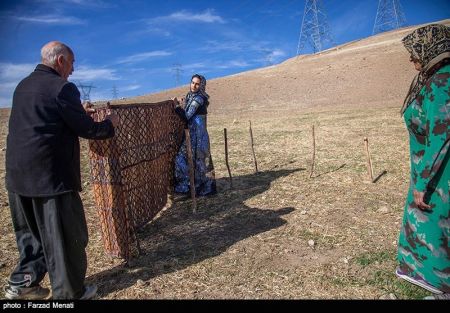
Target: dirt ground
(277,234)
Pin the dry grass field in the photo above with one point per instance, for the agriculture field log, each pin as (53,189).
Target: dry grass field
(277,234)
(254,241)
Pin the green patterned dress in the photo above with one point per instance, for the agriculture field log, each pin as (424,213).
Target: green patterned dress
(424,248)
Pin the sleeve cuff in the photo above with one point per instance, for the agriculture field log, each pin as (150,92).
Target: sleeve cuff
(421,186)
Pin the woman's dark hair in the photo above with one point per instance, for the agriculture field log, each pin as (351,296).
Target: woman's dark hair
(196,75)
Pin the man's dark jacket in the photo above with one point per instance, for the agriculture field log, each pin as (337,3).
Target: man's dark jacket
(43,150)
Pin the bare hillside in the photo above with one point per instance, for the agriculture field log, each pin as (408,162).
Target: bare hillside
(372,71)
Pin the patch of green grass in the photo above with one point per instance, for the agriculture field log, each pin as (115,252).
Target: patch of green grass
(338,282)
(344,282)
(387,280)
(320,239)
(307,235)
(369,258)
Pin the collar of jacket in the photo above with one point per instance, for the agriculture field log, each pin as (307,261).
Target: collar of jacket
(45,68)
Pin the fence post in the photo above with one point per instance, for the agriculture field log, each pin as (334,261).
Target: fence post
(313,152)
(191,169)
(226,156)
(252,146)
(369,161)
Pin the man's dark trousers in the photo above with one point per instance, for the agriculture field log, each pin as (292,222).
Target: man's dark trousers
(51,235)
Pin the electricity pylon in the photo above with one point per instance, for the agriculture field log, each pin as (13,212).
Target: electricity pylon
(314,29)
(85,91)
(269,57)
(177,70)
(114,91)
(389,16)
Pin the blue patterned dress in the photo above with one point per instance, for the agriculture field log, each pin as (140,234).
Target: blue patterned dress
(205,183)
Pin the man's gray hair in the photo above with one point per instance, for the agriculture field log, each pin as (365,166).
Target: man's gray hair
(51,51)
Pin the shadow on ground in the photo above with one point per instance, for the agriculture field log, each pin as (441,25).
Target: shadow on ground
(179,238)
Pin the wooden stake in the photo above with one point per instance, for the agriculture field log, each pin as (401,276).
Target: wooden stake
(313,152)
(253,149)
(226,156)
(191,169)
(369,161)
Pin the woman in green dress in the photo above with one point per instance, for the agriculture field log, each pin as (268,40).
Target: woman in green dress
(424,247)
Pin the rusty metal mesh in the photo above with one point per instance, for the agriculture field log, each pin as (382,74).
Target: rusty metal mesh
(132,172)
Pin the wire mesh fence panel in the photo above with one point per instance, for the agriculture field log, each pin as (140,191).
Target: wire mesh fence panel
(132,172)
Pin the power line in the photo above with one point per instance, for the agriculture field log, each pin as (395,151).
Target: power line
(389,16)
(242,7)
(258,9)
(273,13)
(314,29)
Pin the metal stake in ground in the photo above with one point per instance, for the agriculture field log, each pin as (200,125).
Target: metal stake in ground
(313,152)
(191,169)
(226,156)
(369,161)
(253,149)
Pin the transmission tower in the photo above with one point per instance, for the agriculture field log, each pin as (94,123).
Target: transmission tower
(314,29)
(114,91)
(269,57)
(177,70)
(389,16)
(85,91)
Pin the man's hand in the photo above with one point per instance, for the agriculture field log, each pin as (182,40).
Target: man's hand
(419,201)
(183,102)
(180,103)
(113,117)
(88,107)
(176,102)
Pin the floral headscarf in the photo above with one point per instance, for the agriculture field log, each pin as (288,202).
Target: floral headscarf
(429,45)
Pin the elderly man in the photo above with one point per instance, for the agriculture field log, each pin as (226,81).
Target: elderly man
(43,179)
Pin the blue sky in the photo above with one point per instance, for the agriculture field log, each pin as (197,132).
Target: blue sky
(134,46)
